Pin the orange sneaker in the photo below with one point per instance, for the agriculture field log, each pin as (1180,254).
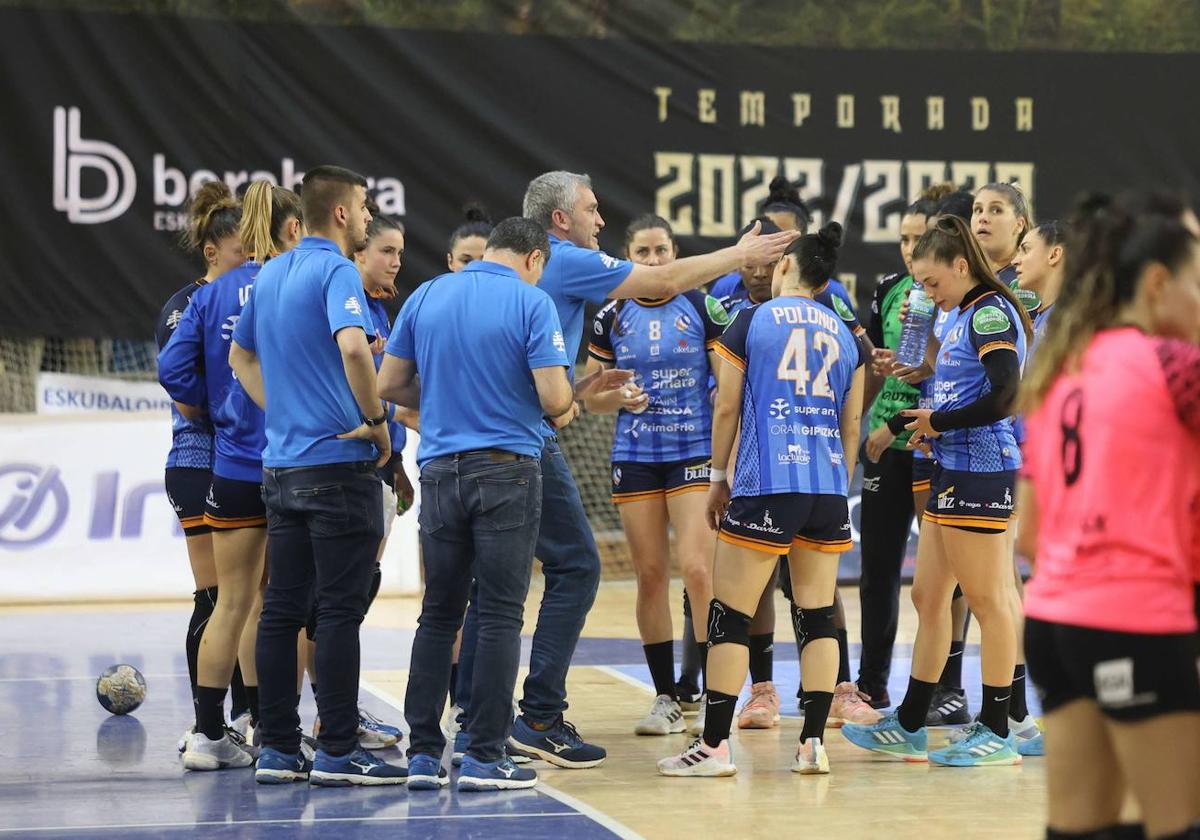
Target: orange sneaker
(850,706)
(762,709)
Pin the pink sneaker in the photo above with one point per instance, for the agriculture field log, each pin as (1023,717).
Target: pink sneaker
(762,709)
(850,706)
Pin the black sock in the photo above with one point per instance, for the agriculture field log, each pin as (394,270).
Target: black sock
(238,702)
(1120,831)
(718,717)
(762,657)
(660,657)
(453,683)
(252,699)
(816,712)
(202,609)
(689,667)
(994,713)
(915,706)
(703,647)
(952,674)
(1018,709)
(843,656)
(210,712)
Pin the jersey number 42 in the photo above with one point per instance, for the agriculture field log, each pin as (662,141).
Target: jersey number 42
(793,365)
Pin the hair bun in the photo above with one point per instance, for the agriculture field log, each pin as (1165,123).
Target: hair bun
(210,197)
(475,211)
(831,236)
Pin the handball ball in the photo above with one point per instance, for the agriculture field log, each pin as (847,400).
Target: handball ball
(121,689)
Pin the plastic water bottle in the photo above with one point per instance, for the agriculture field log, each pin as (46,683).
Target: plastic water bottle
(914,336)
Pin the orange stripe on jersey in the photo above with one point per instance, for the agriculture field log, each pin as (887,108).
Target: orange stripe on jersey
(600,352)
(746,542)
(827,547)
(191,521)
(950,520)
(859,330)
(918,486)
(640,496)
(229,524)
(698,486)
(996,345)
(709,345)
(729,356)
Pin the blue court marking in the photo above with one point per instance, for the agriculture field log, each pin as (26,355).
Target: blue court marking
(69,769)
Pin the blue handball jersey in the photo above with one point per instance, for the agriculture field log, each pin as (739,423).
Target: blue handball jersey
(383,329)
(986,324)
(941,326)
(665,343)
(191,440)
(194,369)
(798,360)
(832,295)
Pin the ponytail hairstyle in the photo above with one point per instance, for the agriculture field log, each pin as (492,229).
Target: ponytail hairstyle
(1017,200)
(265,209)
(784,198)
(816,255)
(213,215)
(949,239)
(647,221)
(379,222)
(1052,233)
(936,192)
(958,203)
(476,222)
(1109,243)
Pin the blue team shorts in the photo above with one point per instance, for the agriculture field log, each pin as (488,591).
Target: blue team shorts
(773,524)
(922,474)
(634,481)
(186,489)
(978,502)
(234,504)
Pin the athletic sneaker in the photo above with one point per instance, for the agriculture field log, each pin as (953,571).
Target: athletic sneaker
(877,698)
(494,775)
(665,718)
(979,747)
(253,748)
(696,727)
(699,759)
(948,708)
(516,756)
(354,768)
(762,709)
(425,772)
(811,759)
(241,724)
(462,740)
(308,746)
(450,724)
(850,706)
(278,768)
(1028,736)
(560,744)
(222,754)
(690,697)
(889,738)
(181,745)
(374,734)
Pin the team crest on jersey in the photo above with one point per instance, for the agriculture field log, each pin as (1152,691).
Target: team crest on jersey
(840,307)
(609,262)
(229,326)
(990,320)
(955,334)
(682,323)
(780,409)
(716,311)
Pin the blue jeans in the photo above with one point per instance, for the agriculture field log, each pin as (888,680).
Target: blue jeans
(571,566)
(479,518)
(324,525)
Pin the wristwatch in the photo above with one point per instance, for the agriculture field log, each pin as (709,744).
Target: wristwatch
(377,421)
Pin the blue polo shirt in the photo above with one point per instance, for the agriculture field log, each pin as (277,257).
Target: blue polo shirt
(476,337)
(575,277)
(299,302)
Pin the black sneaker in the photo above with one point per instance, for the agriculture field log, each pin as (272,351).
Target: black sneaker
(948,708)
(689,696)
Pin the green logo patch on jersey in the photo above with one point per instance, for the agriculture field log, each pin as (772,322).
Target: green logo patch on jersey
(1030,299)
(840,307)
(716,311)
(991,320)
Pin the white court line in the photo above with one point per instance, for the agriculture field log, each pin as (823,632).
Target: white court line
(292,821)
(583,808)
(625,678)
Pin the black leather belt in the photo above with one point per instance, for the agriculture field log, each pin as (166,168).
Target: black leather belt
(496,455)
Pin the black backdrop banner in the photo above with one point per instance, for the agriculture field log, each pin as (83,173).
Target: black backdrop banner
(111,120)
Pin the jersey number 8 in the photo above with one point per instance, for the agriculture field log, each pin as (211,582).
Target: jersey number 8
(793,365)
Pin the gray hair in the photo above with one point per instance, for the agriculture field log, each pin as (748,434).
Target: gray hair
(552,191)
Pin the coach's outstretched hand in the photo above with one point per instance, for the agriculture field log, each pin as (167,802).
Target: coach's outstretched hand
(763,250)
(718,501)
(602,380)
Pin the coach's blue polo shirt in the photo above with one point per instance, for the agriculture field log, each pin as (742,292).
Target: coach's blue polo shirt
(299,302)
(476,338)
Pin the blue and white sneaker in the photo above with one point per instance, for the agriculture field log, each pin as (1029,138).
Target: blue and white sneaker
(889,738)
(355,768)
(374,734)
(278,768)
(425,772)
(560,745)
(494,775)
(979,747)
(462,740)
(1028,736)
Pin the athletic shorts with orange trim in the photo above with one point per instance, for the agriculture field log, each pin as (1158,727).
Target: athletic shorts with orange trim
(186,489)
(234,504)
(922,474)
(773,524)
(979,502)
(634,481)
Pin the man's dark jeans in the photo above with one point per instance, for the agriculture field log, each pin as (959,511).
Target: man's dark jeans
(324,525)
(479,518)
(571,566)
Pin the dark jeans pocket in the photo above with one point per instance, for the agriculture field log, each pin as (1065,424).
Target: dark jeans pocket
(326,508)
(504,502)
(429,514)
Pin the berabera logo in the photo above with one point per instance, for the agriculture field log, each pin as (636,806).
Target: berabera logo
(33,504)
(72,155)
(780,408)
(231,324)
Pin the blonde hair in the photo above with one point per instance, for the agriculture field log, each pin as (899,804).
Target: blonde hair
(265,209)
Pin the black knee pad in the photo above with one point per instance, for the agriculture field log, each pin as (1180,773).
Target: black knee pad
(727,626)
(817,623)
(206,599)
(687,604)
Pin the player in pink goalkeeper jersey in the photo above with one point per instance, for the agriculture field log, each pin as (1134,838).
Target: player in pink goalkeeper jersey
(1110,504)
